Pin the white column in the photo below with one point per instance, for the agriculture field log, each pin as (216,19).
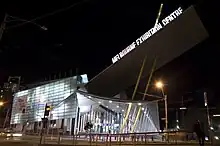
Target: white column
(58,123)
(77,120)
(70,125)
(83,121)
(96,121)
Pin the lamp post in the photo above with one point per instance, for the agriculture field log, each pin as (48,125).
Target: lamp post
(160,85)
(208,117)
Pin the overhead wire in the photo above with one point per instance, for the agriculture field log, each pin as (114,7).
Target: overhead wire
(23,20)
(49,14)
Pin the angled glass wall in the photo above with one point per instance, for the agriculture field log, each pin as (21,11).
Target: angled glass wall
(107,115)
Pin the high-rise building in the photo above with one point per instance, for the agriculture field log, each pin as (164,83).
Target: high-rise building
(6,98)
(2,110)
(5,105)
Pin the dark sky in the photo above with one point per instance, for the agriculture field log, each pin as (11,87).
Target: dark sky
(89,34)
(86,36)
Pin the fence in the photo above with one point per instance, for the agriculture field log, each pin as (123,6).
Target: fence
(174,137)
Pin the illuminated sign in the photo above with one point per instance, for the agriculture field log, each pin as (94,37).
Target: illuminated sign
(148,34)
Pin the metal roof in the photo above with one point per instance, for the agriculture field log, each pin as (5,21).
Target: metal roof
(173,40)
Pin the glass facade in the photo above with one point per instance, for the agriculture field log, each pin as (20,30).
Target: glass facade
(28,105)
(72,109)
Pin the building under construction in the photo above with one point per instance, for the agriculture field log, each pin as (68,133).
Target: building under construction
(111,100)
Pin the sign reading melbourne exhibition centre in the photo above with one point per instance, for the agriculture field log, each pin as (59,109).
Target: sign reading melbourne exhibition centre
(148,34)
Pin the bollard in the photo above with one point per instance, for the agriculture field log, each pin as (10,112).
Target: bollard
(135,139)
(176,134)
(58,139)
(96,140)
(107,140)
(73,139)
(110,140)
(145,139)
(44,139)
(41,135)
(90,139)
(168,137)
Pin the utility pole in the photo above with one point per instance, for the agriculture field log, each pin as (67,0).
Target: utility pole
(3,25)
(207,108)
(177,118)
(183,119)
(166,115)
(208,118)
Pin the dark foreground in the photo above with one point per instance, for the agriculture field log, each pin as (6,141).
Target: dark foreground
(23,143)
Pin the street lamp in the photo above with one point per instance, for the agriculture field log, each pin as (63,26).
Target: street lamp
(160,85)
(1,103)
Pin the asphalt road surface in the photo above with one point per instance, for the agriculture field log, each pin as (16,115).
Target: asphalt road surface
(35,140)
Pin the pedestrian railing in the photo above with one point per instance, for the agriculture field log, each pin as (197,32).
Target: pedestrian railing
(172,137)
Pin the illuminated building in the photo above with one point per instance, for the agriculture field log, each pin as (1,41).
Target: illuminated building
(72,108)
(173,36)
(104,100)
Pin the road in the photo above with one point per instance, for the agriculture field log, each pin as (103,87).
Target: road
(34,141)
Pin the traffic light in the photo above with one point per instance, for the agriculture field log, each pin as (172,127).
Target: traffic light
(47,110)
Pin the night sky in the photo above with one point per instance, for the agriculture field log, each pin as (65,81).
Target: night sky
(90,33)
